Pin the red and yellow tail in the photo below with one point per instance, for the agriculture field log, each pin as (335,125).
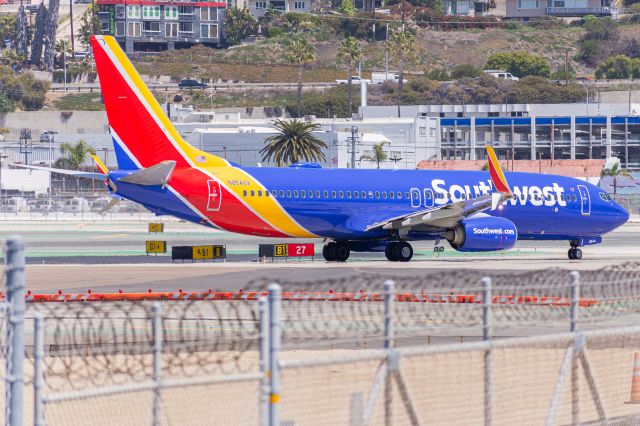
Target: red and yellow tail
(497,176)
(139,126)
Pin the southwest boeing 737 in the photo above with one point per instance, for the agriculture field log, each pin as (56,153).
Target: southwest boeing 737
(353,210)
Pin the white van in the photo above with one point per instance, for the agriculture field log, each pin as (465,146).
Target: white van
(14,205)
(76,205)
(502,74)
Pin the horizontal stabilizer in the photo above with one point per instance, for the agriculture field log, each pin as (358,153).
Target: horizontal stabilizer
(154,175)
(76,173)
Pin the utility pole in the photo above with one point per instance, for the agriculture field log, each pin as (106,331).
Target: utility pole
(73,50)
(566,67)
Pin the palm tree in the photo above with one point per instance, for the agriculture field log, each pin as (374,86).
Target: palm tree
(73,155)
(402,45)
(300,52)
(378,154)
(293,142)
(351,52)
(614,172)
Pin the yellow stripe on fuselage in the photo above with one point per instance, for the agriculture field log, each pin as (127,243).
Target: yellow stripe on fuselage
(238,181)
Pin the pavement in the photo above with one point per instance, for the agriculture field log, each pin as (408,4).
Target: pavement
(110,255)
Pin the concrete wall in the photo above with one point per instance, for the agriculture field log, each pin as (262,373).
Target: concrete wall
(80,122)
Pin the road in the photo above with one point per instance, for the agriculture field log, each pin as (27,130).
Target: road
(95,87)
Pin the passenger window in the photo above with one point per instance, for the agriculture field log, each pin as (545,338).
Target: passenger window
(333,194)
(326,194)
(295,194)
(303,194)
(363,194)
(356,194)
(281,194)
(266,193)
(377,194)
(384,195)
(348,194)
(400,195)
(428,195)
(310,194)
(288,194)
(253,194)
(341,194)
(370,194)
(259,193)
(317,194)
(406,195)
(392,194)
(575,197)
(244,193)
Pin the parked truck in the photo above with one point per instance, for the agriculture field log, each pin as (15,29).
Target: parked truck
(381,77)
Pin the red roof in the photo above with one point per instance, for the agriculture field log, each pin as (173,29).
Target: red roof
(163,2)
(571,168)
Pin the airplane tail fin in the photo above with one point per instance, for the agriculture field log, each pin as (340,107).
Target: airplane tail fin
(497,176)
(143,135)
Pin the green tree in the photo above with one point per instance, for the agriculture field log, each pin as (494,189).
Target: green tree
(520,63)
(239,24)
(465,70)
(293,142)
(300,52)
(62,47)
(351,52)
(614,172)
(73,155)
(347,7)
(402,46)
(8,26)
(616,67)
(89,25)
(379,154)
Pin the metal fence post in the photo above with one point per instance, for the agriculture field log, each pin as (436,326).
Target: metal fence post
(274,350)
(389,296)
(575,389)
(38,370)
(263,304)
(156,311)
(15,261)
(487,300)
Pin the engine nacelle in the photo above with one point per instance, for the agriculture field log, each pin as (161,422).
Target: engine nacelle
(485,233)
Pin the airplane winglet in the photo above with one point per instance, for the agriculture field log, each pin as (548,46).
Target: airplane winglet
(103,169)
(497,176)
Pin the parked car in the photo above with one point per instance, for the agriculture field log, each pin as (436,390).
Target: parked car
(381,77)
(48,136)
(41,206)
(192,84)
(354,80)
(76,205)
(14,205)
(502,74)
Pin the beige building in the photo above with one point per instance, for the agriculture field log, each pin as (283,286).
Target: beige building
(524,9)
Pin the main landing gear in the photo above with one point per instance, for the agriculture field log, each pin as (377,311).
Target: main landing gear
(399,251)
(336,251)
(575,253)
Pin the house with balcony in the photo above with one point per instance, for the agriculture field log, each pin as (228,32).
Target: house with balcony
(258,8)
(162,25)
(525,9)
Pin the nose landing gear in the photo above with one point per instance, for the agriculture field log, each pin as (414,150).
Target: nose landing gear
(399,251)
(575,253)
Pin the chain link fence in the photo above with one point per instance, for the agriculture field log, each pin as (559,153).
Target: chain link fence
(545,347)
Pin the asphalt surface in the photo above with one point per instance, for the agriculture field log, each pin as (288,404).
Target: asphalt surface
(108,256)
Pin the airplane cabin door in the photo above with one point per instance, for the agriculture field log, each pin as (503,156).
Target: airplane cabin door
(585,200)
(214,199)
(416,199)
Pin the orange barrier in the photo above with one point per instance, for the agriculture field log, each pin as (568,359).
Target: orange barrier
(329,296)
(635,381)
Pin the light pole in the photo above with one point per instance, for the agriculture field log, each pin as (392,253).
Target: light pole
(586,88)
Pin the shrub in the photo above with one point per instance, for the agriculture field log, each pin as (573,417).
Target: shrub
(616,67)
(465,70)
(520,63)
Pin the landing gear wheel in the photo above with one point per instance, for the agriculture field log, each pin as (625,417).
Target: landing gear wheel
(405,252)
(330,252)
(389,250)
(575,253)
(342,252)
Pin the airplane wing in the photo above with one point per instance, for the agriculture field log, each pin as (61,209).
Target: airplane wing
(448,215)
(76,173)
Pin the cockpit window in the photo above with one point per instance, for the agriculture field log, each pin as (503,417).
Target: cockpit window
(605,197)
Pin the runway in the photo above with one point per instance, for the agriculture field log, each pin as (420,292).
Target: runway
(108,256)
